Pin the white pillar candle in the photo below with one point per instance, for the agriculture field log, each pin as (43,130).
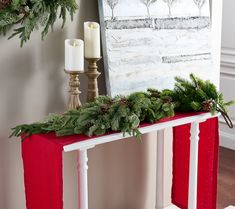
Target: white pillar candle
(92,39)
(74,55)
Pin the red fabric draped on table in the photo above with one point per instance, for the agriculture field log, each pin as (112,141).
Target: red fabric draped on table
(42,173)
(42,160)
(207,165)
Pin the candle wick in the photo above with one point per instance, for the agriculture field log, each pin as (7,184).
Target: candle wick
(92,26)
(75,44)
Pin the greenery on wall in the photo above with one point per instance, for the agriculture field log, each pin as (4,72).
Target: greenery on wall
(25,16)
(125,114)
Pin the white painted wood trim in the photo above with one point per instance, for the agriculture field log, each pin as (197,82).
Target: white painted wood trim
(227,74)
(82,179)
(228,51)
(230,207)
(119,136)
(228,59)
(171,207)
(228,64)
(227,140)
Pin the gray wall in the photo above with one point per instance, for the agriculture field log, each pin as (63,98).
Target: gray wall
(228,70)
(33,84)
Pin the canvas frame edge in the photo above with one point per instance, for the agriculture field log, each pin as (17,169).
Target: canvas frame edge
(104,48)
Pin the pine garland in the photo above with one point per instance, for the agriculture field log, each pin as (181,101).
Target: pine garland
(31,14)
(125,114)
(199,95)
(103,115)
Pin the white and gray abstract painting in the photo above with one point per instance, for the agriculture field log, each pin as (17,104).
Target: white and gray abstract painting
(149,42)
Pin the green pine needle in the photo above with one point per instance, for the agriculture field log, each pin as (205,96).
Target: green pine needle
(125,114)
(24,17)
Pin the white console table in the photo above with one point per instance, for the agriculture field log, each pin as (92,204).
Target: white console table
(83,146)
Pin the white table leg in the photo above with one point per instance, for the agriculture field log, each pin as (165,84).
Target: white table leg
(164,169)
(193,166)
(160,170)
(82,179)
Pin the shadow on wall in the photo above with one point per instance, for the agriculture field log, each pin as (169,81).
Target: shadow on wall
(124,176)
(52,59)
(33,84)
(16,71)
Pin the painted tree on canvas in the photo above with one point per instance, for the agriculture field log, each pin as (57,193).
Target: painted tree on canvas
(112,4)
(169,4)
(199,4)
(148,3)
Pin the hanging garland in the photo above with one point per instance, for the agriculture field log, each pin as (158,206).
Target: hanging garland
(124,114)
(24,16)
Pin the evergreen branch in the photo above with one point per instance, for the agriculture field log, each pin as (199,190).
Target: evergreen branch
(30,14)
(104,115)
(124,114)
(199,95)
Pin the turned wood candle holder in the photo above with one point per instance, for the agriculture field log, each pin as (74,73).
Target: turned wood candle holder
(74,84)
(92,74)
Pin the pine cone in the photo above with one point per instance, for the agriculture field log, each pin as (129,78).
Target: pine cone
(104,108)
(4,3)
(167,99)
(88,125)
(207,105)
(124,102)
(109,102)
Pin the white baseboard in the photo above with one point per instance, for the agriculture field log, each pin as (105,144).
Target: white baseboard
(230,207)
(227,140)
(175,207)
(171,207)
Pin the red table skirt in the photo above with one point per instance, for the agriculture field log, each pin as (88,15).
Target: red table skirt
(207,165)
(42,160)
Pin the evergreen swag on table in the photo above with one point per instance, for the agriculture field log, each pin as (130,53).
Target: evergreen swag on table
(125,113)
(24,16)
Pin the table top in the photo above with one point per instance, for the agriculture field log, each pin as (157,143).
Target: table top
(177,120)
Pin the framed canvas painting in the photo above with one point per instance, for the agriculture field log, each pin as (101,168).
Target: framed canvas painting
(146,43)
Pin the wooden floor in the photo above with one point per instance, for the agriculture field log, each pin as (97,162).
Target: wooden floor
(226,179)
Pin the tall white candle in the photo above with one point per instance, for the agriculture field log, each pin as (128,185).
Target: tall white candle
(92,39)
(74,55)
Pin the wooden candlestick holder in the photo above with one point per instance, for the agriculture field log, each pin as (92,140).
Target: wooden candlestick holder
(74,84)
(92,74)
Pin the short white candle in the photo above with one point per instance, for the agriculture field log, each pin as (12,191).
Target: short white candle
(74,55)
(92,39)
